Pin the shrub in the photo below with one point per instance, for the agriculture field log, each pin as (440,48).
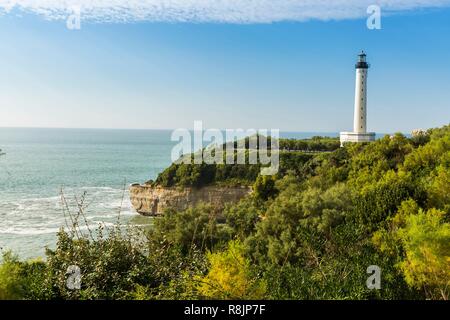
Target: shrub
(230,276)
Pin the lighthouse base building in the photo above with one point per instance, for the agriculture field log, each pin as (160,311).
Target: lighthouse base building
(357,137)
(359,133)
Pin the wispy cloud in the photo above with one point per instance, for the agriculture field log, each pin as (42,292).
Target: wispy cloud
(222,11)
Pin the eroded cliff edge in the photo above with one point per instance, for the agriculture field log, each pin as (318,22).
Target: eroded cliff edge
(151,200)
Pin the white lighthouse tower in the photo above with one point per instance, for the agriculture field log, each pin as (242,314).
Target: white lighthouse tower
(360,133)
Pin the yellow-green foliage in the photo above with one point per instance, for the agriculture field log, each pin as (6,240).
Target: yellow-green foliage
(387,239)
(426,157)
(426,239)
(439,188)
(421,240)
(11,283)
(230,277)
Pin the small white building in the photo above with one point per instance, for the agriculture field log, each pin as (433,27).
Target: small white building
(359,133)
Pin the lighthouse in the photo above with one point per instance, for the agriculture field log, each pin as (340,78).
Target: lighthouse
(359,133)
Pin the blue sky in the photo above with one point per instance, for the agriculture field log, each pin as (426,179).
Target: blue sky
(272,70)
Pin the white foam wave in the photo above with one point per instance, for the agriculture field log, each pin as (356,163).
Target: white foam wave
(44,215)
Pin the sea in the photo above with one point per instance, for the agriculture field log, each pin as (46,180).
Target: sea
(45,172)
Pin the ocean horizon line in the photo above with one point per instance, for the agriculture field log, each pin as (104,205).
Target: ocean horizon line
(334,133)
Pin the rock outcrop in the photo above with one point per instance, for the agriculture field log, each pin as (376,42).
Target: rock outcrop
(151,200)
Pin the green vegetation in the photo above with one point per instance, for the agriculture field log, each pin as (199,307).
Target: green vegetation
(314,144)
(293,154)
(310,232)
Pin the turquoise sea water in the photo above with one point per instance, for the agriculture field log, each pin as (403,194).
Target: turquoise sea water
(40,162)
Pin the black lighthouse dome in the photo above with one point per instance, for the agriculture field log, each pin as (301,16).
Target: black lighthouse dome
(362,63)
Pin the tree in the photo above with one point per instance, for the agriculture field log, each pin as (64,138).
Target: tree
(439,188)
(11,283)
(230,276)
(264,187)
(381,200)
(426,240)
(243,217)
(195,227)
(419,241)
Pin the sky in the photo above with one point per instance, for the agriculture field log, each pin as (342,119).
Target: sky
(286,64)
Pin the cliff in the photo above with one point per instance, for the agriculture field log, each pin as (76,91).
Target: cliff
(150,201)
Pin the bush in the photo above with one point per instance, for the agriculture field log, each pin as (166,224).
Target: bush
(195,227)
(243,217)
(230,276)
(12,285)
(264,188)
(23,280)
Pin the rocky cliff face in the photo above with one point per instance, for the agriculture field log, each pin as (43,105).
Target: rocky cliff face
(151,201)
